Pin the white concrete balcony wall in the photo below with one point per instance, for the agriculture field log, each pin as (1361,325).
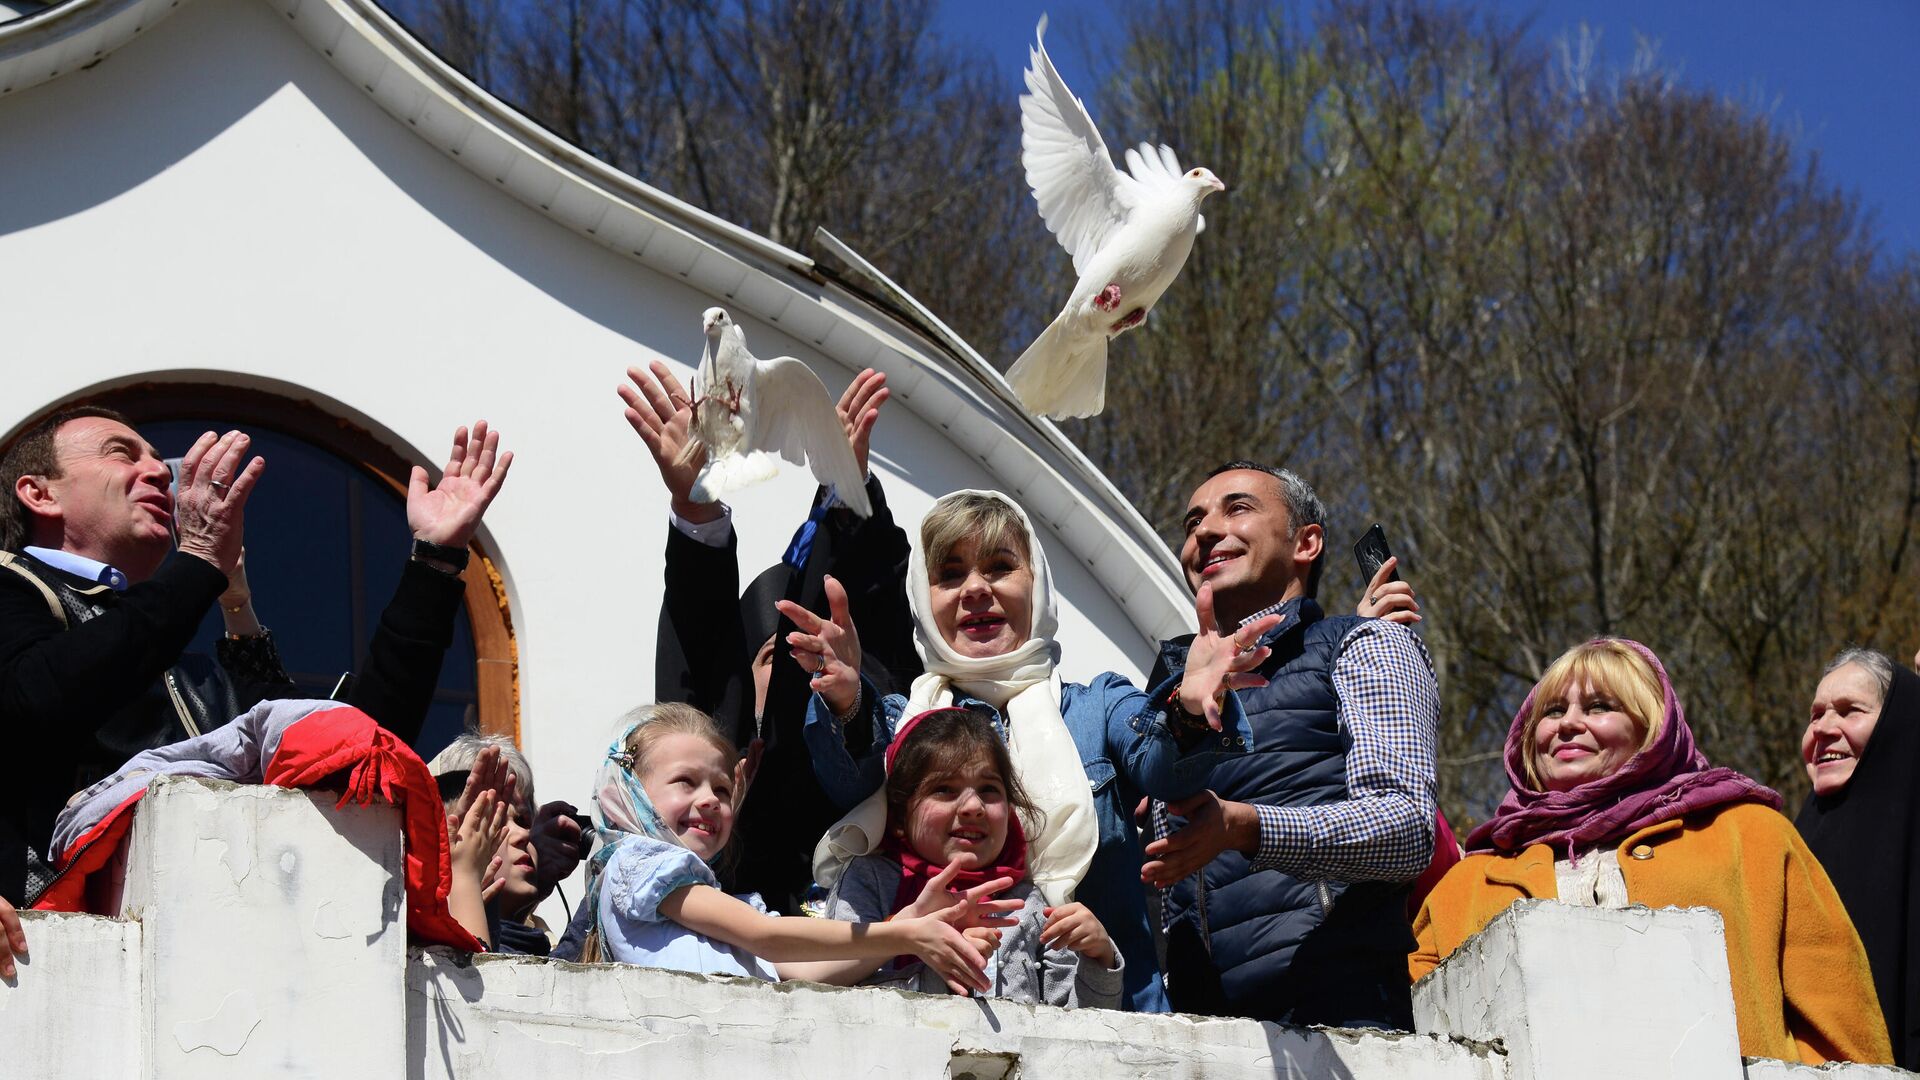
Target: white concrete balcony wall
(263,938)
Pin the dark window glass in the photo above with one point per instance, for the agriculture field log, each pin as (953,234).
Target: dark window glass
(326,542)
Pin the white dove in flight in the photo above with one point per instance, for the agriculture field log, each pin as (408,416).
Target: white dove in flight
(746,410)
(1129,235)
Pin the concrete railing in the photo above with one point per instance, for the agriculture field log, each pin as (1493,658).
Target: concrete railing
(262,938)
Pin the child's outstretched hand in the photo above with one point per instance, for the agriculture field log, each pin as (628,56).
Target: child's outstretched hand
(1072,926)
(938,896)
(956,957)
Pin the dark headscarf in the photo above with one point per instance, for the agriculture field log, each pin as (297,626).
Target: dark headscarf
(1668,779)
(1864,835)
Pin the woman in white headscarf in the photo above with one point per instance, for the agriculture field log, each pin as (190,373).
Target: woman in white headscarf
(982,600)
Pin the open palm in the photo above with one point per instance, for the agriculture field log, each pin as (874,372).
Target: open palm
(449,512)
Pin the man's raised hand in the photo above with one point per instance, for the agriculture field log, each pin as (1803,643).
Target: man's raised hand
(859,410)
(449,513)
(1387,599)
(209,506)
(661,412)
(1218,662)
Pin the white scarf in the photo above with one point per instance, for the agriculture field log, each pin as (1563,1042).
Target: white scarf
(1023,686)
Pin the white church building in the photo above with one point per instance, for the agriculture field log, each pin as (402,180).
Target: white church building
(290,216)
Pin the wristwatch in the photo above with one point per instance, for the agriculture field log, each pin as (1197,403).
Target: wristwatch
(454,559)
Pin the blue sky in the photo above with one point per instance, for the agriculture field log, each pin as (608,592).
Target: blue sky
(1845,75)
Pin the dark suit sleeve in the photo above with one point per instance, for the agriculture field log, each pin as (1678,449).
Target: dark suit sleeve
(397,679)
(62,683)
(700,654)
(870,558)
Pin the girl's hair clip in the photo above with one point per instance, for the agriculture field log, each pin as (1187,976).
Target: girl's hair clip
(621,758)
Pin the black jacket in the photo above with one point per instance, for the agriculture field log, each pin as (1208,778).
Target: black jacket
(704,657)
(80,695)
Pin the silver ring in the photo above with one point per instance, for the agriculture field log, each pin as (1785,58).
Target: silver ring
(218,486)
(1374,599)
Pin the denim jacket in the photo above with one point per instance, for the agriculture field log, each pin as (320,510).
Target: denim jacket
(1128,747)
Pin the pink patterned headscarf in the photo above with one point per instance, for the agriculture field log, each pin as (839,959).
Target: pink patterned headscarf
(1671,778)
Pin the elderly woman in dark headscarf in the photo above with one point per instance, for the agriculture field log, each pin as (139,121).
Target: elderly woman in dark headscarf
(1862,752)
(1612,804)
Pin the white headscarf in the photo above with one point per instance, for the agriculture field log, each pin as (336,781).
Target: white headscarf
(1023,686)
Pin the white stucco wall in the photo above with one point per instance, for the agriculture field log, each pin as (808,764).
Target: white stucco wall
(263,939)
(215,199)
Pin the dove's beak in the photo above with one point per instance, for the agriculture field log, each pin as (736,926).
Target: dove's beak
(1218,186)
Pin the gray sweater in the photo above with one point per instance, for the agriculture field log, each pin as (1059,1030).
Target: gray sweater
(1023,969)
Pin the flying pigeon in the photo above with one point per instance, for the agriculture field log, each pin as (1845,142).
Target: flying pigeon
(1129,235)
(746,410)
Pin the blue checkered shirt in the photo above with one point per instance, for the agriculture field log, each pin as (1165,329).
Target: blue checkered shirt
(1390,712)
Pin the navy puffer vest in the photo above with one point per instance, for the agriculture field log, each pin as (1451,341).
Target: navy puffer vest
(1264,943)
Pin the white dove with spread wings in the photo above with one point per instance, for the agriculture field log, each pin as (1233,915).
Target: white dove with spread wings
(747,410)
(1129,234)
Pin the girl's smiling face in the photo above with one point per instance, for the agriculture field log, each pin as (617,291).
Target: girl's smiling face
(960,813)
(690,782)
(982,600)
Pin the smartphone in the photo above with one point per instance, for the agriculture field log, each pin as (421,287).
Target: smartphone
(1372,552)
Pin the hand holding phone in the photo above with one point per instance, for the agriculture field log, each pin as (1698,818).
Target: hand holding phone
(1385,596)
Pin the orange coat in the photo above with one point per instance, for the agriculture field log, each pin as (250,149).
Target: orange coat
(1802,990)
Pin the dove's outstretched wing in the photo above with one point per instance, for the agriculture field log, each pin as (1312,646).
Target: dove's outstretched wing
(793,416)
(1082,197)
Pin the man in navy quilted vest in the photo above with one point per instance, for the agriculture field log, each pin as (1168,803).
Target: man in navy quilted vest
(1286,883)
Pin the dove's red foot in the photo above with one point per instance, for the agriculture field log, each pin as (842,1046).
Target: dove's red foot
(1128,321)
(1109,298)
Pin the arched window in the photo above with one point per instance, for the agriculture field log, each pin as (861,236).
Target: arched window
(327,539)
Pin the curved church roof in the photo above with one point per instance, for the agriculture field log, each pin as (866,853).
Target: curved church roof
(932,371)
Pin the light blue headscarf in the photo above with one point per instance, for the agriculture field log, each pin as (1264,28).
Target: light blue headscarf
(622,810)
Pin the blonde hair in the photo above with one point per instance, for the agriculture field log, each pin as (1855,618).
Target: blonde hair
(654,722)
(991,521)
(1611,666)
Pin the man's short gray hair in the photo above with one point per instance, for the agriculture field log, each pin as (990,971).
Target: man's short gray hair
(1303,508)
(1877,664)
(465,750)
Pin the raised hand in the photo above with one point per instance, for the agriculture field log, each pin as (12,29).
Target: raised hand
(979,909)
(209,509)
(828,649)
(476,838)
(1218,662)
(661,412)
(1072,926)
(449,512)
(489,773)
(859,410)
(1386,599)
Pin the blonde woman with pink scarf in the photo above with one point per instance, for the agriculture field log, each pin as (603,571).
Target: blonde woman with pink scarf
(1612,805)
